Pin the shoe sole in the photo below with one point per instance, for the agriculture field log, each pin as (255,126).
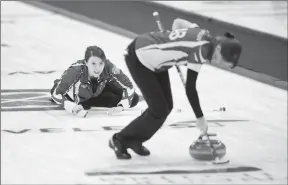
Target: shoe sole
(140,154)
(112,147)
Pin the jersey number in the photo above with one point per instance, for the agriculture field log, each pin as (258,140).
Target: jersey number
(177,34)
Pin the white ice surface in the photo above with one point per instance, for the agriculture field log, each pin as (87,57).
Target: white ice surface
(47,41)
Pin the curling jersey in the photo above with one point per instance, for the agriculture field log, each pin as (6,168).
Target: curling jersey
(159,51)
(75,83)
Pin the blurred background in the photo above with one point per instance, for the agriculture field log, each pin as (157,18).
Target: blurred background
(272,15)
(261,26)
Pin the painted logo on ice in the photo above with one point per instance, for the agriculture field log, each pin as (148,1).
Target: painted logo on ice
(27,100)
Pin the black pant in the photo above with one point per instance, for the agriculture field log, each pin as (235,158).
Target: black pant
(109,97)
(156,90)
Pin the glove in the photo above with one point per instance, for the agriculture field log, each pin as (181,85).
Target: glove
(75,109)
(202,125)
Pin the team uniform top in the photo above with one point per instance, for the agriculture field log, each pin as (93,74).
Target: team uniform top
(159,51)
(75,83)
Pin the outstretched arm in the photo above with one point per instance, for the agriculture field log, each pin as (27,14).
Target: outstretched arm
(192,93)
(193,98)
(70,84)
(122,81)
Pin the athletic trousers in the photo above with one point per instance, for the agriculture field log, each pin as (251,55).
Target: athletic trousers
(156,91)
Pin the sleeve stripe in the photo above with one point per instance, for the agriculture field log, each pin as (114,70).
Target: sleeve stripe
(73,92)
(202,60)
(121,84)
(58,98)
(76,91)
(188,44)
(194,67)
(196,58)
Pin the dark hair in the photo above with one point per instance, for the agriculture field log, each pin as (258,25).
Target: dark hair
(94,51)
(230,48)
